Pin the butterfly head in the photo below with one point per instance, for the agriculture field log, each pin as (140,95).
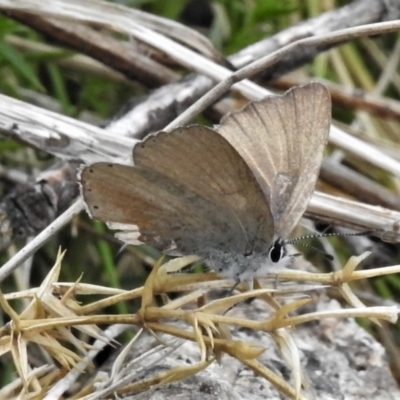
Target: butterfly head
(277,251)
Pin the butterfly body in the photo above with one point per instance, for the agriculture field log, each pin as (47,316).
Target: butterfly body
(242,267)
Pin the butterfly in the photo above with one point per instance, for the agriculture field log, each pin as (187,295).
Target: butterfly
(231,194)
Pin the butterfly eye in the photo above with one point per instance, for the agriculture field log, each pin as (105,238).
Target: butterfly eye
(276,252)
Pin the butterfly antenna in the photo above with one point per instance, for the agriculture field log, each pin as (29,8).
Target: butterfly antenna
(326,255)
(322,235)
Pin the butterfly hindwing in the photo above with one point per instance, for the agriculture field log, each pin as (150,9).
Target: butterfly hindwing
(189,187)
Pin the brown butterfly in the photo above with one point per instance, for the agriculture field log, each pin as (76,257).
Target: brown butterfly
(228,194)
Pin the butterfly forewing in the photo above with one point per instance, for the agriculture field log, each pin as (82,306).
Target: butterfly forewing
(189,186)
(282,139)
